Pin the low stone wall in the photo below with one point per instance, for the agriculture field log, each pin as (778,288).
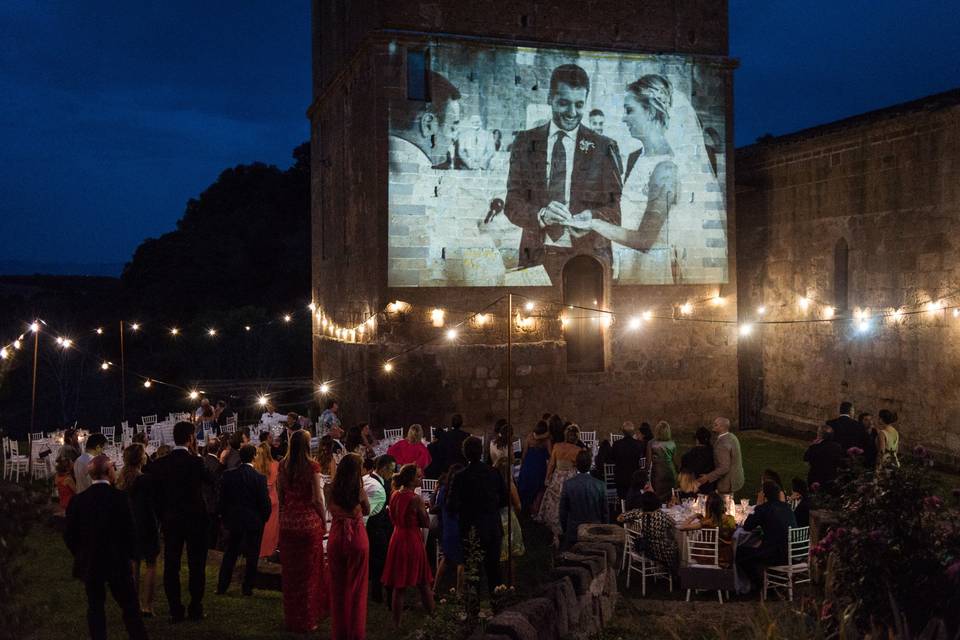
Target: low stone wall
(577,597)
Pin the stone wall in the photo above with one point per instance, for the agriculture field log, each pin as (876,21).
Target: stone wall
(671,369)
(888,185)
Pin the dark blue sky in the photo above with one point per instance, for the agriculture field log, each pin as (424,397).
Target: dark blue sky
(113,114)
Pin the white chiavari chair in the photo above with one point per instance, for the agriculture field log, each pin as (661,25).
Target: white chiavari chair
(148,420)
(109,433)
(703,552)
(393,434)
(797,569)
(614,437)
(15,463)
(638,562)
(610,484)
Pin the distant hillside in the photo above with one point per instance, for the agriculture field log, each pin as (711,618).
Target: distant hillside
(30,267)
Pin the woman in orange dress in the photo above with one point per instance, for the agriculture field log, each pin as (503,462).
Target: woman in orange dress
(348,550)
(266,465)
(303,577)
(407,564)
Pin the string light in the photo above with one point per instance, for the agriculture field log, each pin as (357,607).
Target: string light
(211,332)
(530,306)
(246,328)
(194,395)
(34,326)
(686,308)
(147,384)
(717,300)
(635,322)
(647,315)
(956,313)
(262,401)
(105,365)
(135,326)
(4,354)
(481,319)
(828,312)
(804,303)
(388,367)
(16,345)
(606,320)
(863,325)
(312,306)
(287,318)
(933,306)
(99,331)
(436,317)
(324,389)
(761,310)
(564,321)
(746,329)
(174,331)
(897,315)
(451,334)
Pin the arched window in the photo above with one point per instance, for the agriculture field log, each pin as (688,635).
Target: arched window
(583,287)
(841,264)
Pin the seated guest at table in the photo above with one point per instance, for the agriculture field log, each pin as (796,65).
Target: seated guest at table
(625,455)
(269,468)
(562,467)
(407,564)
(639,484)
(715,518)
(245,507)
(699,459)
(657,531)
(337,434)
(177,479)
(533,466)
(774,518)
(353,443)
(70,450)
(660,456)
(824,457)
(369,440)
(140,494)
(93,448)
(450,542)
(66,485)
(477,495)
(801,494)
(379,528)
(411,450)
(101,536)
(583,500)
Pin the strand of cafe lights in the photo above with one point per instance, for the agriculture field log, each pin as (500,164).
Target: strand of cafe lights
(526,318)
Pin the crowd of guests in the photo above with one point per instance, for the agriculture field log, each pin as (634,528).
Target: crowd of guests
(345,522)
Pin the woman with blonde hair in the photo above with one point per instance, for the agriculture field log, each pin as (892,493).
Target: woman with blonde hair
(267,466)
(562,467)
(661,452)
(411,450)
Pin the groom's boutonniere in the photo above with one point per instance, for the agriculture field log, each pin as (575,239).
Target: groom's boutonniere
(586,145)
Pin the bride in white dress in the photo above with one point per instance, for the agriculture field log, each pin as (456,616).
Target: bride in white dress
(669,191)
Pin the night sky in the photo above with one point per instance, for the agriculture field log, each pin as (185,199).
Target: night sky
(113,115)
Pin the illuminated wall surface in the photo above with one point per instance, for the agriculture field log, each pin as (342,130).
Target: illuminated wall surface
(483,192)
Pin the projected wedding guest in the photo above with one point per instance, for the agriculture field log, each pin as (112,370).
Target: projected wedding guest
(476,145)
(497,139)
(423,133)
(664,191)
(596,120)
(582,170)
(101,536)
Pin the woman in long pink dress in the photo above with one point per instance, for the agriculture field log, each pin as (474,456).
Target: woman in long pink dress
(407,564)
(303,577)
(348,550)
(266,465)
(411,450)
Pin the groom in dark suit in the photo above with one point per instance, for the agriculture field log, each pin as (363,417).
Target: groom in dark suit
(561,175)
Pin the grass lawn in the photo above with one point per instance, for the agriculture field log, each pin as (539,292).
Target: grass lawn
(58,603)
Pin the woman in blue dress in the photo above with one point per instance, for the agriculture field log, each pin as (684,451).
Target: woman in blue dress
(533,467)
(450,543)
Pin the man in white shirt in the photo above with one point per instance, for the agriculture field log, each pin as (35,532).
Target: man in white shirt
(94,447)
(379,527)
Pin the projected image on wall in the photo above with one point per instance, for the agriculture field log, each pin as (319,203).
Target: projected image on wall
(505,163)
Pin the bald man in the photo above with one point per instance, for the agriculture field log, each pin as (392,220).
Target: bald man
(727,461)
(100,534)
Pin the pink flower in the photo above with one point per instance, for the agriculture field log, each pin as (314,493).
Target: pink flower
(854,451)
(932,503)
(816,487)
(826,610)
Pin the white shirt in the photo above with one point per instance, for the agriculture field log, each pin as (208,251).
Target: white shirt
(80,471)
(569,144)
(181,447)
(376,494)
(99,482)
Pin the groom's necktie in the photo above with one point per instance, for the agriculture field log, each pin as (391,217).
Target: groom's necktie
(557,186)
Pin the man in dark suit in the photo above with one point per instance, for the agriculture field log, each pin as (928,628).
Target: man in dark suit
(847,432)
(178,495)
(450,444)
(211,490)
(824,457)
(477,495)
(774,517)
(583,500)
(626,454)
(245,508)
(101,536)
(561,175)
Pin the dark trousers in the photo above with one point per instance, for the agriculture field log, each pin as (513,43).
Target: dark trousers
(490,538)
(246,541)
(751,562)
(194,537)
(379,531)
(125,593)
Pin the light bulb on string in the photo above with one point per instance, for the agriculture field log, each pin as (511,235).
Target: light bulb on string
(312,306)
(4,354)
(686,308)
(933,306)
(174,331)
(804,303)
(16,344)
(105,366)
(717,300)
(194,395)
(761,310)
(262,401)
(647,315)
(324,389)
(99,331)
(147,383)
(436,317)
(451,334)
(529,306)
(60,341)
(956,313)
(746,329)
(34,326)
(388,366)
(635,322)
(828,312)
(246,328)
(211,332)
(287,318)
(135,326)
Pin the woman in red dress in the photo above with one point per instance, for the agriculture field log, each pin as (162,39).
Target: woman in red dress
(407,564)
(412,449)
(266,465)
(303,577)
(348,550)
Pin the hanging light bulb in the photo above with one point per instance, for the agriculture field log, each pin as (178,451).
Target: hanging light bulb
(16,344)
(828,312)
(686,308)
(194,395)
(60,341)
(174,331)
(34,326)
(211,332)
(647,315)
(287,318)
(451,334)
(135,326)
(746,329)
(262,401)
(324,388)
(761,310)
(804,303)
(147,384)
(99,331)
(105,365)
(635,322)
(717,300)
(312,306)
(530,306)
(388,367)
(436,317)
(4,354)
(246,328)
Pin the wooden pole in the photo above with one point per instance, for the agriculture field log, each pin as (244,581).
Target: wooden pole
(123,378)
(33,396)
(510,444)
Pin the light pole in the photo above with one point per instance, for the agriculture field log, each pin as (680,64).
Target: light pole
(35,327)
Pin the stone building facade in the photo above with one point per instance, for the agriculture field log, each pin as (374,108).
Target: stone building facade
(860,218)
(671,368)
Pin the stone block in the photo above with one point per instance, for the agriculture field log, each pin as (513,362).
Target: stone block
(594,564)
(542,614)
(564,600)
(512,625)
(610,552)
(579,577)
